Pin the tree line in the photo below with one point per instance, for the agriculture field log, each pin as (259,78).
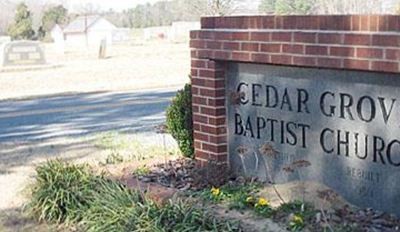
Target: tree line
(163,13)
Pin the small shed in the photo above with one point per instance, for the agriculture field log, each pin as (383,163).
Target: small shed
(88,31)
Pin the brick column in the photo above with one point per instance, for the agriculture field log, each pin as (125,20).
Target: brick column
(208,104)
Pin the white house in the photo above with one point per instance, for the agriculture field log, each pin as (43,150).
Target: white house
(88,31)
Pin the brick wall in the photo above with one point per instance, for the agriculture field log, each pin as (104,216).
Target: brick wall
(357,42)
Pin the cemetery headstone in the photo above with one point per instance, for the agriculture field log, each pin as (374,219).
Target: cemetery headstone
(103,49)
(22,53)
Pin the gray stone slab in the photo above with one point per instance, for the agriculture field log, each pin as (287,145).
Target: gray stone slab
(344,124)
(22,53)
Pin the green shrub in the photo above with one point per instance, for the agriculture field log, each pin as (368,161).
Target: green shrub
(179,120)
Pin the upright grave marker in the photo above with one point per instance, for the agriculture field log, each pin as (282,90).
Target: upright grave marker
(273,92)
(22,53)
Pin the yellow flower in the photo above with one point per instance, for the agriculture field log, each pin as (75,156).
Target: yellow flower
(297,219)
(262,202)
(215,191)
(249,199)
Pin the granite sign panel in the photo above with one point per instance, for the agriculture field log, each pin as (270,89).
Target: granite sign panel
(22,53)
(340,128)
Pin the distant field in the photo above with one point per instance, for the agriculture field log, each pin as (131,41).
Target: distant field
(130,66)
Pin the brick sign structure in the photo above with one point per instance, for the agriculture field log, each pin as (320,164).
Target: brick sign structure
(302,97)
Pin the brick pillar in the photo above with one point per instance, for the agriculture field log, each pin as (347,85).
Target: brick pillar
(209,120)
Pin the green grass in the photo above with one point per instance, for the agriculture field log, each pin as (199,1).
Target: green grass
(72,194)
(126,148)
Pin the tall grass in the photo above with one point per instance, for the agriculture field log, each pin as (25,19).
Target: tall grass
(66,193)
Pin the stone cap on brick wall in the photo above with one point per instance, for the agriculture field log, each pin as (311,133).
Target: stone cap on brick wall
(352,42)
(369,23)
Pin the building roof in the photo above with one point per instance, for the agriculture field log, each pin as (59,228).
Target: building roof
(81,24)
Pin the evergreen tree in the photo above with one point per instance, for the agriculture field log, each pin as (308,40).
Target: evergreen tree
(22,26)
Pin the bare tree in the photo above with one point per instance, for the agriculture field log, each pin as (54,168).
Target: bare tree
(215,7)
(88,9)
(349,7)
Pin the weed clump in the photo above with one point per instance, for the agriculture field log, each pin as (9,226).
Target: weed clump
(72,194)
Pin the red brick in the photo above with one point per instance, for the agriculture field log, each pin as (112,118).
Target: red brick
(240,35)
(194,72)
(197,44)
(373,22)
(342,51)
(195,90)
(268,22)
(335,23)
(307,22)
(223,35)
(194,34)
(204,53)
(199,100)
(329,62)
(207,22)
(386,40)
(303,37)
(231,46)
(195,109)
(364,23)
(201,136)
(214,148)
(393,54)
(206,35)
(355,23)
(221,159)
(281,59)
(253,47)
(260,36)
(216,102)
(317,50)
(329,38)
(216,84)
(212,92)
(241,56)
(213,45)
(260,58)
(216,121)
(293,48)
(356,64)
(197,145)
(289,22)
(373,53)
(202,155)
(304,61)
(281,36)
(193,54)
(218,139)
(212,130)
(357,39)
(222,55)
(394,23)
(198,63)
(200,118)
(275,48)
(385,66)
